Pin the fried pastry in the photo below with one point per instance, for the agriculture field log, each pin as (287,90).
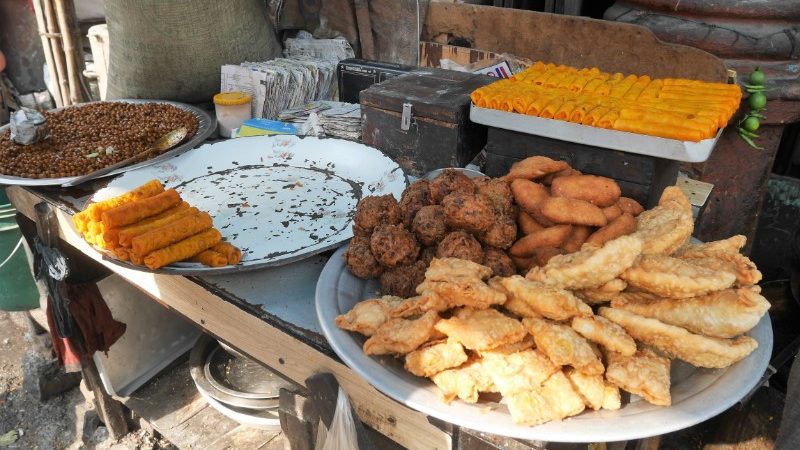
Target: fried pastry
(534,167)
(525,344)
(602,294)
(591,388)
(571,211)
(434,357)
(463,292)
(517,372)
(420,304)
(482,329)
(675,278)
(740,266)
(606,333)
(401,336)
(446,269)
(465,382)
(599,191)
(668,226)
(622,225)
(676,342)
(644,374)
(723,314)
(563,345)
(591,267)
(547,237)
(547,301)
(555,400)
(367,316)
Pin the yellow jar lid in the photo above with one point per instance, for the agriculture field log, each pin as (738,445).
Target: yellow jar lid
(232,98)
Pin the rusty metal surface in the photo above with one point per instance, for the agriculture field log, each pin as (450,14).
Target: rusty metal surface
(19,40)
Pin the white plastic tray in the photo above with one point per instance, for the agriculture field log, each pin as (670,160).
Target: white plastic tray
(642,144)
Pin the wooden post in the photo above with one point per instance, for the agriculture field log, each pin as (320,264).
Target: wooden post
(58,54)
(48,52)
(71,52)
(109,410)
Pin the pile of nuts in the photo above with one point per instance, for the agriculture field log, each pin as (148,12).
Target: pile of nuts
(90,137)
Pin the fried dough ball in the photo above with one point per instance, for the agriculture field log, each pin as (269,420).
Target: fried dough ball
(497,191)
(500,263)
(359,259)
(449,181)
(501,233)
(393,245)
(376,210)
(462,245)
(429,224)
(402,281)
(414,198)
(469,212)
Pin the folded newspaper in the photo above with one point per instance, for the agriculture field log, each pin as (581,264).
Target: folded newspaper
(326,118)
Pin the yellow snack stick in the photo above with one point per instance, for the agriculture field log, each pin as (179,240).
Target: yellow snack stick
(619,89)
(652,90)
(149,189)
(637,88)
(171,233)
(521,103)
(184,249)
(565,110)
(607,121)
(594,114)
(121,253)
(127,233)
(210,258)
(579,112)
(658,129)
(551,107)
(592,85)
(137,210)
(232,254)
(536,105)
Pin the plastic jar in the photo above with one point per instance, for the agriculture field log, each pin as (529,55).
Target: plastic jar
(233,109)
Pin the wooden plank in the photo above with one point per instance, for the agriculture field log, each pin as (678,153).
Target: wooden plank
(432,53)
(262,341)
(247,438)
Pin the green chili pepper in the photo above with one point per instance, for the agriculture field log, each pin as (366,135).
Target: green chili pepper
(748,140)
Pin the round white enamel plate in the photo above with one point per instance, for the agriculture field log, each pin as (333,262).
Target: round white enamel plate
(697,394)
(279,198)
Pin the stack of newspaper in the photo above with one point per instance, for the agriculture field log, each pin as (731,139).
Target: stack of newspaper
(327,118)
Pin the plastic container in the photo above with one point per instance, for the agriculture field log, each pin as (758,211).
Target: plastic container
(17,289)
(233,109)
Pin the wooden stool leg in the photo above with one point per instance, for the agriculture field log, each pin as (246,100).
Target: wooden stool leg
(109,410)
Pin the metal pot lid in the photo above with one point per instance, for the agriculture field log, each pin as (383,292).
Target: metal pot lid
(242,377)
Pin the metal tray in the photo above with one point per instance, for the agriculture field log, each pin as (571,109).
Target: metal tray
(697,394)
(206,124)
(642,144)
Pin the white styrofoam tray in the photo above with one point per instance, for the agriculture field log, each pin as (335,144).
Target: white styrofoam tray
(642,144)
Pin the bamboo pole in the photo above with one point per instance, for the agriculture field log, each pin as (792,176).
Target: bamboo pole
(48,52)
(70,51)
(58,54)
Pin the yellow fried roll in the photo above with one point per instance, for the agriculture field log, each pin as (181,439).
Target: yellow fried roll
(232,254)
(126,234)
(565,110)
(521,103)
(121,253)
(594,115)
(637,88)
(149,189)
(701,124)
(558,77)
(210,258)
(171,233)
(551,107)
(651,90)
(139,209)
(619,89)
(658,129)
(579,112)
(607,121)
(183,250)
(81,220)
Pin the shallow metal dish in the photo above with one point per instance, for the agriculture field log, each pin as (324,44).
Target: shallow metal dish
(206,124)
(468,172)
(242,377)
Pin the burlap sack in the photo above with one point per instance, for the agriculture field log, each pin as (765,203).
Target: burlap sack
(173,49)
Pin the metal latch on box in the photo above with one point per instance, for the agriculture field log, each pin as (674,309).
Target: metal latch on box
(405,119)
(698,193)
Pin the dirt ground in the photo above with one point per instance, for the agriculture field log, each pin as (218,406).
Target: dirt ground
(66,421)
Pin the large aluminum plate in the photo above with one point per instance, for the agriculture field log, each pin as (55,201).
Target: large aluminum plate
(278,198)
(697,394)
(599,137)
(206,124)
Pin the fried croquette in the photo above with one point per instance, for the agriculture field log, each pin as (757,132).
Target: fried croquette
(461,245)
(393,245)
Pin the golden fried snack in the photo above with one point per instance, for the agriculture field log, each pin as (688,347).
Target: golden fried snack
(127,233)
(599,191)
(121,253)
(464,382)
(393,245)
(445,269)
(630,206)
(676,342)
(501,233)
(544,300)
(718,249)
(548,237)
(575,241)
(401,336)
(543,255)
(184,249)
(482,329)
(723,314)
(429,224)
(499,261)
(210,258)
(528,224)
(591,388)
(517,372)
(571,211)
(463,292)
(591,267)
(170,234)
(461,245)
(514,304)
(376,210)
(530,196)
(745,270)
(420,304)
(232,254)
(498,192)
(612,212)
(547,180)
(668,226)
(611,397)
(606,333)
(534,167)
(414,198)
(402,281)
(111,236)
(449,181)
(675,278)
(434,357)
(563,345)
(137,210)
(466,211)
(602,294)
(525,344)
(622,225)
(94,212)
(555,400)
(644,374)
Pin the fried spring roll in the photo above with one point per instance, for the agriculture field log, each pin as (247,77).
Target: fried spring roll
(121,253)
(210,258)
(170,233)
(658,129)
(140,209)
(183,250)
(81,221)
(126,234)
(232,254)
(149,189)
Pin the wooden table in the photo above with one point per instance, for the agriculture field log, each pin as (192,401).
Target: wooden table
(266,314)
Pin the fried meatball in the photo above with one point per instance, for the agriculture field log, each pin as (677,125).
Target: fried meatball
(402,281)
(501,233)
(414,198)
(359,259)
(429,225)
(427,254)
(360,232)
(469,212)
(449,181)
(500,263)
(498,192)
(462,245)
(376,210)
(393,245)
